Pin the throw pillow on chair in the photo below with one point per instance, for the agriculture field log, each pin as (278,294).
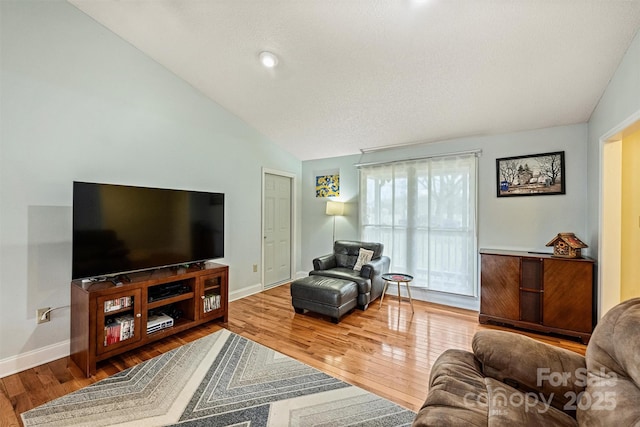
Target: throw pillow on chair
(364,257)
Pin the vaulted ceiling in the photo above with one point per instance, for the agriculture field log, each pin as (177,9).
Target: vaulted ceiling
(359,74)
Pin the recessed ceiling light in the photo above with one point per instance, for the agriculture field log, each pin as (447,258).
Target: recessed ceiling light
(268,59)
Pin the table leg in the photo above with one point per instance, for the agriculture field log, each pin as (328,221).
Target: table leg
(384,289)
(410,300)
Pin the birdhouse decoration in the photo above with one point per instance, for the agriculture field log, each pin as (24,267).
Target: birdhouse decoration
(567,245)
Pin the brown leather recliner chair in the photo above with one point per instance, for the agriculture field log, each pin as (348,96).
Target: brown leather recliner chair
(513,380)
(340,265)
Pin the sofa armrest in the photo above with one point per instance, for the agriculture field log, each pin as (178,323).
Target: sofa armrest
(324,262)
(375,267)
(531,366)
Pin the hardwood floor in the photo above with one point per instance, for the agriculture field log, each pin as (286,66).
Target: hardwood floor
(388,351)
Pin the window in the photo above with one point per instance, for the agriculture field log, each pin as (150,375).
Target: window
(424,212)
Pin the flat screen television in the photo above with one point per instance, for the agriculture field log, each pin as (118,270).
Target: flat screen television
(119,229)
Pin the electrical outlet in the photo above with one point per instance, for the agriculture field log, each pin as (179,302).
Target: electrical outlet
(40,312)
(255,268)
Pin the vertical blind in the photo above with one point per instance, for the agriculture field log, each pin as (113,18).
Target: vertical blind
(424,212)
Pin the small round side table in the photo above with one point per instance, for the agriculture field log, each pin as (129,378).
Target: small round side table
(398,278)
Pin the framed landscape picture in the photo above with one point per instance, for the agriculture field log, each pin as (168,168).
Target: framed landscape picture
(531,175)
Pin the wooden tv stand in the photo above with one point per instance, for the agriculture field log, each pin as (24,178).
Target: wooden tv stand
(109,319)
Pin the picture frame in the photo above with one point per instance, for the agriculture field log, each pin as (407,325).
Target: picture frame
(531,175)
(328,185)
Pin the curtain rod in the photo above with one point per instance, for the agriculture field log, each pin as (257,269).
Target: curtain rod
(476,152)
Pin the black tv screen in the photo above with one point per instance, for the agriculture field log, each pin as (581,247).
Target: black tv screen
(119,229)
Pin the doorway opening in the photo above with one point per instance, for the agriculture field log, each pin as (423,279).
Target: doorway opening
(619,220)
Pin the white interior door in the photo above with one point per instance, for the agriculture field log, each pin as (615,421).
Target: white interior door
(277,229)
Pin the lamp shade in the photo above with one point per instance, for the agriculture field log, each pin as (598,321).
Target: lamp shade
(335,208)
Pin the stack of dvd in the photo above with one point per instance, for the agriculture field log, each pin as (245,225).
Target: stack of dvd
(211,302)
(119,329)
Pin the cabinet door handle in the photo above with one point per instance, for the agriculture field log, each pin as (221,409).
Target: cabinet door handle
(202,297)
(139,315)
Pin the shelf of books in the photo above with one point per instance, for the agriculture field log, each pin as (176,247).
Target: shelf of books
(118,321)
(118,304)
(213,291)
(211,302)
(119,328)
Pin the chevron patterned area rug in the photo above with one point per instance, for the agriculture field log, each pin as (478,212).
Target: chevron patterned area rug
(220,380)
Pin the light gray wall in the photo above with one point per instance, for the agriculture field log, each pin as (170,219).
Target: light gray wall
(317,228)
(79,103)
(620,101)
(522,223)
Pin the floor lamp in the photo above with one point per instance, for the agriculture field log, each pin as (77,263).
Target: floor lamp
(335,209)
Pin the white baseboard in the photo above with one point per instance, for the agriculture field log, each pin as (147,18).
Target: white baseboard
(28,360)
(245,292)
(452,300)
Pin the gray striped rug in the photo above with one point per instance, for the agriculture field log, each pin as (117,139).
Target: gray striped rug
(220,380)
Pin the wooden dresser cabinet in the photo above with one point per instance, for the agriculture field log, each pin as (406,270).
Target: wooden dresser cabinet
(538,292)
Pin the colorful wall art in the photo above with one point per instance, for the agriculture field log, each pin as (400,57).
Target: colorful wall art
(328,185)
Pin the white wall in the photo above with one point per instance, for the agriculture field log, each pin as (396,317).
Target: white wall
(520,223)
(619,103)
(317,228)
(79,103)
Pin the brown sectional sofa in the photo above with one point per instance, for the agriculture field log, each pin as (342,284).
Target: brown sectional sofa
(513,380)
